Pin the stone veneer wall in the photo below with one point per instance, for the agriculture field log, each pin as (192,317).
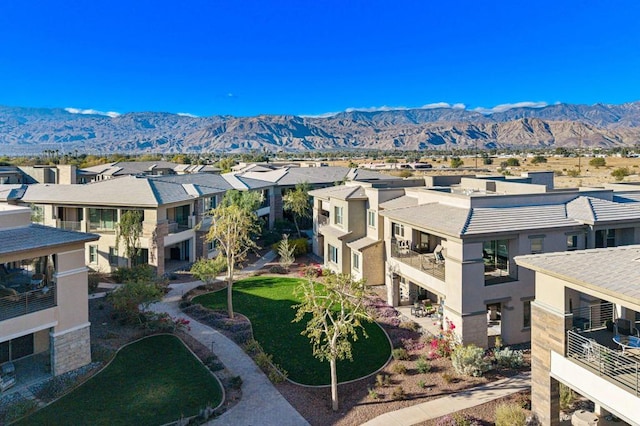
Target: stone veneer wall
(70,350)
(547,334)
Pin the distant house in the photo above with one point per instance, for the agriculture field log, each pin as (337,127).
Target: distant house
(43,292)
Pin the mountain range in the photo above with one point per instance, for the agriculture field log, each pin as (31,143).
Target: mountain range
(32,130)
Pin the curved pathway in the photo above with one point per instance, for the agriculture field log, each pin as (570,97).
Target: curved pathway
(261,403)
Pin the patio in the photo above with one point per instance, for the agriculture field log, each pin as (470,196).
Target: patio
(29,371)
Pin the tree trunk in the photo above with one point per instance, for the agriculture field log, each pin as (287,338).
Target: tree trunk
(230,290)
(334,385)
(295,222)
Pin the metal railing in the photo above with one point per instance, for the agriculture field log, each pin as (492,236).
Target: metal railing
(322,221)
(25,303)
(425,262)
(70,225)
(619,368)
(593,317)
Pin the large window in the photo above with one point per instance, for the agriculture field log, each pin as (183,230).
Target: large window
(93,254)
(371,218)
(337,215)
(572,242)
(356,261)
(495,255)
(102,219)
(605,238)
(333,254)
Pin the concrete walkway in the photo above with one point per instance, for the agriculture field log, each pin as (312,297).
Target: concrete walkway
(261,403)
(455,402)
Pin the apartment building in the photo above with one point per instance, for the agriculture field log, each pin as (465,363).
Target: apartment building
(584,332)
(453,241)
(43,292)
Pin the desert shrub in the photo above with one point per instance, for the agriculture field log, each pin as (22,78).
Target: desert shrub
(469,360)
(573,173)
(398,393)
(448,377)
(508,358)
(383,380)
(252,347)
(422,384)
(235,382)
(277,375)
(510,415)
(406,174)
(538,159)
(400,354)
(399,368)
(567,397)
(410,325)
(213,363)
(458,419)
(277,269)
(423,365)
(512,162)
(598,162)
(456,162)
(300,246)
(93,280)
(313,271)
(373,394)
(620,173)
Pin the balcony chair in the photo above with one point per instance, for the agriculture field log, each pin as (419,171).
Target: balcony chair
(624,327)
(437,254)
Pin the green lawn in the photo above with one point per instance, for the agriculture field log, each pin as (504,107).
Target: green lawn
(267,302)
(150,382)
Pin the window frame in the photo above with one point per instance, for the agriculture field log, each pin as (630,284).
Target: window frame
(93,254)
(526,314)
(338,213)
(398,230)
(333,253)
(113,256)
(371,218)
(355,261)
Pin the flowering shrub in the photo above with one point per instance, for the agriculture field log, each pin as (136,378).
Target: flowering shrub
(445,343)
(311,270)
(162,322)
(457,419)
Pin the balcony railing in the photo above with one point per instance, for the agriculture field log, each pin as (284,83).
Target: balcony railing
(70,225)
(619,368)
(25,303)
(322,221)
(593,317)
(425,262)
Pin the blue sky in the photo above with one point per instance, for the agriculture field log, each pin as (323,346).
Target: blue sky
(309,57)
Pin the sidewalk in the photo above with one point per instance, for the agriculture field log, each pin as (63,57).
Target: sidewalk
(455,402)
(261,403)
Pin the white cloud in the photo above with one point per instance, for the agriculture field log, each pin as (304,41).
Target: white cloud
(111,114)
(186,114)
(404,108)
(507,107)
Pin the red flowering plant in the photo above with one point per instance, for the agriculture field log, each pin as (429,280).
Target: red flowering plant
(311,270)
(443,344)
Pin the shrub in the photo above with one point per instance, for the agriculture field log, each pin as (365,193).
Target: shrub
(423,366)
(137,273)
(469,361)
(300,246)
(448,377)
(597,162)
(373,394)
(566,397)
(400,354)
(235,382)
(508,358)
(399,368)
(538,159)
(383,380)
(573,173)
(398,393)
(20,409)
(313,271)
(456,162)
(93,280)
(512,162)
(263,360)
(410,325)
(422,384)
(278,269)
(620,173)
(510,415)
(406,174)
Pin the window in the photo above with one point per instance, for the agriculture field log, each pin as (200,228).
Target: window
(572,242)
(210,203)
(102,219)
(37,214)
(537,245)
(356,261)
(371,218)
(337,215)
(526,314)
(398,230)
(93,254)
(333,254)
(495,255)
(605,238)
(113,256)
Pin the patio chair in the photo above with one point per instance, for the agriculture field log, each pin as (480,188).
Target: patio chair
(437,254)
(624,327)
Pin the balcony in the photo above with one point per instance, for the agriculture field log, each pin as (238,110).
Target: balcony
(321,221)
(589,351)
(69,225)
(19,304)
(431,263)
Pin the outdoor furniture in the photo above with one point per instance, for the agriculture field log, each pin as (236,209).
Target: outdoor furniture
(417,310)
(589,350)
(624,327)
(37,281)
(627,342)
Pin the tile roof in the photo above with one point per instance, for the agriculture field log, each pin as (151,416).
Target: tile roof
(16,240)
(613,270)
(341,192)
(506,219)
(399,202)
(592,210)
(434,216)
